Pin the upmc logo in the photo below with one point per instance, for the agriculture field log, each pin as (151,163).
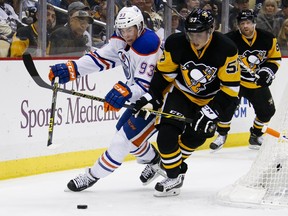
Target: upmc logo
(75,111)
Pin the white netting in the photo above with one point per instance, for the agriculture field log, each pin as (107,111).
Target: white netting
(267,180)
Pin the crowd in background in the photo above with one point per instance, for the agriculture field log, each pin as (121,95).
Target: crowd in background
(68,34)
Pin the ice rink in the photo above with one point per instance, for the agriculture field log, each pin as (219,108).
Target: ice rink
(123,194)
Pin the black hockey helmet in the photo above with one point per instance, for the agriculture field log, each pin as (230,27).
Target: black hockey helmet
(199,20)
(246,15)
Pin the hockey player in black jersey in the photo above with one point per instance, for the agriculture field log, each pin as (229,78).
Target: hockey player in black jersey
(259,57)
(200,73)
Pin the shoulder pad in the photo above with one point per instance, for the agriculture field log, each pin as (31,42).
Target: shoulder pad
(147,43)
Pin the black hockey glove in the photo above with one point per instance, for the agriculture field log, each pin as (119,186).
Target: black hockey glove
(205,122)
(266,77)
(142,105)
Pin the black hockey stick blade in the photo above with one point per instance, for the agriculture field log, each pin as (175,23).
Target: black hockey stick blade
(29,64)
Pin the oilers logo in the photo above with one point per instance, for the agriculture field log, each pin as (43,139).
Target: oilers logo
(252,59)
(197,76)
(125,61)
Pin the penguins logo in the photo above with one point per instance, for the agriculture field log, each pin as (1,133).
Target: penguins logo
(253,59)
(196,76)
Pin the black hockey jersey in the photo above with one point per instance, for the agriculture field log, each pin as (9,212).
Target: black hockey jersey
(261,51)
(199,76)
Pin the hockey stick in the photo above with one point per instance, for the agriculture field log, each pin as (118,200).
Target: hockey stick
(29,64)
(52,114)
(273,133)
(252,73)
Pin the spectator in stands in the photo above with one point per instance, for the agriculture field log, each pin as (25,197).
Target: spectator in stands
(5,33)
(174,26)
(99,32)
(283,38)
(157,20)
(212,6)
(175,23)
(283,13)
(70,40)
(61,17)
(266,18)
(9,23)
(183,11)
(25,5)
(76,6)
(192,4)
(239,5)
(26,38)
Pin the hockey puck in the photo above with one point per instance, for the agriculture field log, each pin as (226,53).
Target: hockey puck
(82,206)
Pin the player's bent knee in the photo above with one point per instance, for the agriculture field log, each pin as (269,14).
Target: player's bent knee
(119,146)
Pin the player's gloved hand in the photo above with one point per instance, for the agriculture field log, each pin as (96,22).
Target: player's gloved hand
(205,122)
(116,97)
(266,77)
(142,105)
(66,72)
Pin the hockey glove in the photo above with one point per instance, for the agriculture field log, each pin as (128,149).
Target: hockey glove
(116,97)
(66,72)
(205,122)
(266,77)
(144,104)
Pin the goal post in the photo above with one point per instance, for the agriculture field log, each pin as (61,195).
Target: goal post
(266,183)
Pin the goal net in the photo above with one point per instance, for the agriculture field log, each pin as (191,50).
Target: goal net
(266,183)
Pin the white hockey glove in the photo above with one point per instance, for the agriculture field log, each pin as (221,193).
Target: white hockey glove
(266,76)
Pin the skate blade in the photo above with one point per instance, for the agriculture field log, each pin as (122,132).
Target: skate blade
(254,147)
(150,180)
(162,173)
(216,150)
(172,192)
(67,190)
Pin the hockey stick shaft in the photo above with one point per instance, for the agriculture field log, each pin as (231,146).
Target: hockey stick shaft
(52,114)
(252,73)
(29,64)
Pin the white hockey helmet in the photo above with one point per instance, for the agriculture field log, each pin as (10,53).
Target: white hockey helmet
(130,16)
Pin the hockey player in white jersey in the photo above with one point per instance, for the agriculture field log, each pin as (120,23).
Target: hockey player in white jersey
(137,49)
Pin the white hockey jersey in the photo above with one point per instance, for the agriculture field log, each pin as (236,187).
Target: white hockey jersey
(138,61)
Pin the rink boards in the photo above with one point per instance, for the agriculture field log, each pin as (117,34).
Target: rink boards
(82,130)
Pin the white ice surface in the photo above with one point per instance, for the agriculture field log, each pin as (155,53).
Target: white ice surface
(122,193)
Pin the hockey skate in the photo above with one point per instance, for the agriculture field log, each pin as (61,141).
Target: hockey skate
(171,186)
(255,141)
(152,171)
(218,143)
(82,181)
